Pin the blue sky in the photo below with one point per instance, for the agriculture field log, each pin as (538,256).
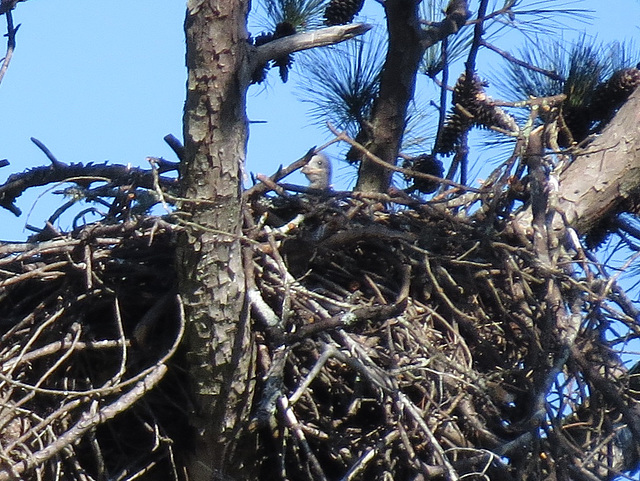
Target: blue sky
(98,81)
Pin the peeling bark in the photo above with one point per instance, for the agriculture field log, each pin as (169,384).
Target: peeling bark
(209,257)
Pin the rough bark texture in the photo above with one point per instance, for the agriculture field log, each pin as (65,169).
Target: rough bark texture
(607,173)
(209,261)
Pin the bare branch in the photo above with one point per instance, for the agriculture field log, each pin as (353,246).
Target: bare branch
(552,75)
(11,44)
(120,175)
(304,41)
(175,145)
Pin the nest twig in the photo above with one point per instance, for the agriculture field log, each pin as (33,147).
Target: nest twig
(429,342)
(74,354)
(397,339)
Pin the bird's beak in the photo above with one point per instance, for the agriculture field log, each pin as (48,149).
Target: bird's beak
(307,169)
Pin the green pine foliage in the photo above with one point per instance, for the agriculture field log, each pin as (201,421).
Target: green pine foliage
(301,14)
(581,72)
(344,96)
(283,18)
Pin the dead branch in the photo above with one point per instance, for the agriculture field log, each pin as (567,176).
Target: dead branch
(117,175)
(11,37)
(305,41)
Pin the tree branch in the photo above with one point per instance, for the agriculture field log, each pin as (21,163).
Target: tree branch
(304,41)
(604,176)
(16,184)
(407,43)
(11,44)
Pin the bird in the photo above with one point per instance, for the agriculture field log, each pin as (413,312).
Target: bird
(318,172)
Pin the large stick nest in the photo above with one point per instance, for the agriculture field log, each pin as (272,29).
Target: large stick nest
(90,323)
(397,339)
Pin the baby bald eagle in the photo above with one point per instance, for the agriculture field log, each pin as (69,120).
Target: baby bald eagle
(318,172)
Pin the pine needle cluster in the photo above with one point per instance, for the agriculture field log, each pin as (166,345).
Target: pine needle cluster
(284,18)
(342,81)
(595,85)
(284,63)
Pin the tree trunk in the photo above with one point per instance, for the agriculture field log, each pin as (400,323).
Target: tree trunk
(407,43)
(211,278)
(397,87)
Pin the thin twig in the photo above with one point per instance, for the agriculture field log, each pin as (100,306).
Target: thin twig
(11,44)
(374,158)
(552,75)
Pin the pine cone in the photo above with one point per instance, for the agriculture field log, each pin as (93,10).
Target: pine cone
(339,12)
(489,115)
(610,95)
(451,135)
(425,164)
(260,74)
(466,95)
(471,96)
(283,29)
(476,108)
